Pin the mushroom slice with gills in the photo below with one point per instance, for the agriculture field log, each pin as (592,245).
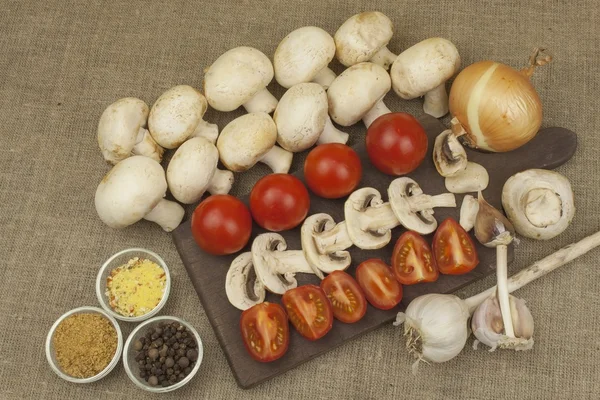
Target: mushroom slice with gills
(242,286)
(249,139)
(239,77)
(134,189)
(275,266)
(122,132)
(357,93)
(539,203)
(331,258)
(302,119)
(304,56)
(177,115)
(474,178)
(422,70)
(449,155)
(413,208)
(468,212)
(364,37)
(193,170)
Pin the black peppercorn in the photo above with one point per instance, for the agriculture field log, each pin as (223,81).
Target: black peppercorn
(183,362)
(153,381)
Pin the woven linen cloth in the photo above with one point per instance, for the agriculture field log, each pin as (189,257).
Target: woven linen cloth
(63,61)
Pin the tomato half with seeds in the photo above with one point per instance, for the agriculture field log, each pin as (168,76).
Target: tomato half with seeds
(265,331)
(309,310)
(347,298)
(381,288)
(412,261)
(453,249)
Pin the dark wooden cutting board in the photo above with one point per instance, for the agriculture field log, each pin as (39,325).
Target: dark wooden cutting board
(551,148)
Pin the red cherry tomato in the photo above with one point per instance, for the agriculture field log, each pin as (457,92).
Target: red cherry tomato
(396,143)
(309,311)
(377,281)
(332,170)
(346,297)
(265,331)
(454,251)
(221,224)
(412,261)
(279,202)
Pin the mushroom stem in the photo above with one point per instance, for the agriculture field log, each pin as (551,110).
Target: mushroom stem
(424,201)
(333,240)
(384,57)
(167,214)
(324,77)
(291,261)
(147,146)
(502,283)
(206,130)
(278,159)
(221,182)
(331,134)
(262,101)
(380,218)
(436,101)
(377,111)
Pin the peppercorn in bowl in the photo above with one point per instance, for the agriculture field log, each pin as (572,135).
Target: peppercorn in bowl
(162,354)
(84,345)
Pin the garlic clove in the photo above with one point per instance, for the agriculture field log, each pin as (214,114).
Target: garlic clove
(492,228)
(522,318)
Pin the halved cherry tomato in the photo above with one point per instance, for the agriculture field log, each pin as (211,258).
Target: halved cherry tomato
(332,170)
(265,331)
(346,297)
(412,261)
(377,281)
(309,311)
(454,251)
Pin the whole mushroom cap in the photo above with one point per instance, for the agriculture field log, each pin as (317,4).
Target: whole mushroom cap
(245,140)
(302,54)
(361,36)
(236,76)
(129,191)
(175,115)
(355,91)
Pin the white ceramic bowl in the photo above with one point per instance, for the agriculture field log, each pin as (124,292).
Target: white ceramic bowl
(51,354)
(119,259)
(132,368)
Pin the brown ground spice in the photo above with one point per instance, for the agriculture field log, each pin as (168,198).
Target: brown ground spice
(84,344)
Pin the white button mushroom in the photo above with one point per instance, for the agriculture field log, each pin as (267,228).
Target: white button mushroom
(302,119)
(135,189)
(122,133)
(449,156)
(422,70)
(249,139)
(304,56)
(472,179)
(239,77)
(364,37)
(357,93)
(468,212)
(193,170)
(539,203)
(177,115)
(242,286)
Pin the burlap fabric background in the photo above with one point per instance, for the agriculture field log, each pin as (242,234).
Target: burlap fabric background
(62,62)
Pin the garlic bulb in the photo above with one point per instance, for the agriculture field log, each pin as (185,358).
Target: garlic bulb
(435,326)
(495,106)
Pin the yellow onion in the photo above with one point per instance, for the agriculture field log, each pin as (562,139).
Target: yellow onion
(496,107)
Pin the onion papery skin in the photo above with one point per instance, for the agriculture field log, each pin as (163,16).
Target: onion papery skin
(496,105)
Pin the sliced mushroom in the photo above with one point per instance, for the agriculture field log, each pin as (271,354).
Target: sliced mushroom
(468,212)
(473,178)
(449,155)
(413,209)
(539,203)
(329,259)
(276,267)
(242,286)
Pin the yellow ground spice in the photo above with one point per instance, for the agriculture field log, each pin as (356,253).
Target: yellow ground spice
(136,288)
(84,344)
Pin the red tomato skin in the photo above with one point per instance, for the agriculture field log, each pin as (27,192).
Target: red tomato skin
(378,266)
(332,170)
(462,268)
(289,300)
(425,271)
(279,202)
(343,279)
(221,224)
(396,143)
(252,312)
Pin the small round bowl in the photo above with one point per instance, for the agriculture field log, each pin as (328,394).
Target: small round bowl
(131,366)
(119,259)
(51,354)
